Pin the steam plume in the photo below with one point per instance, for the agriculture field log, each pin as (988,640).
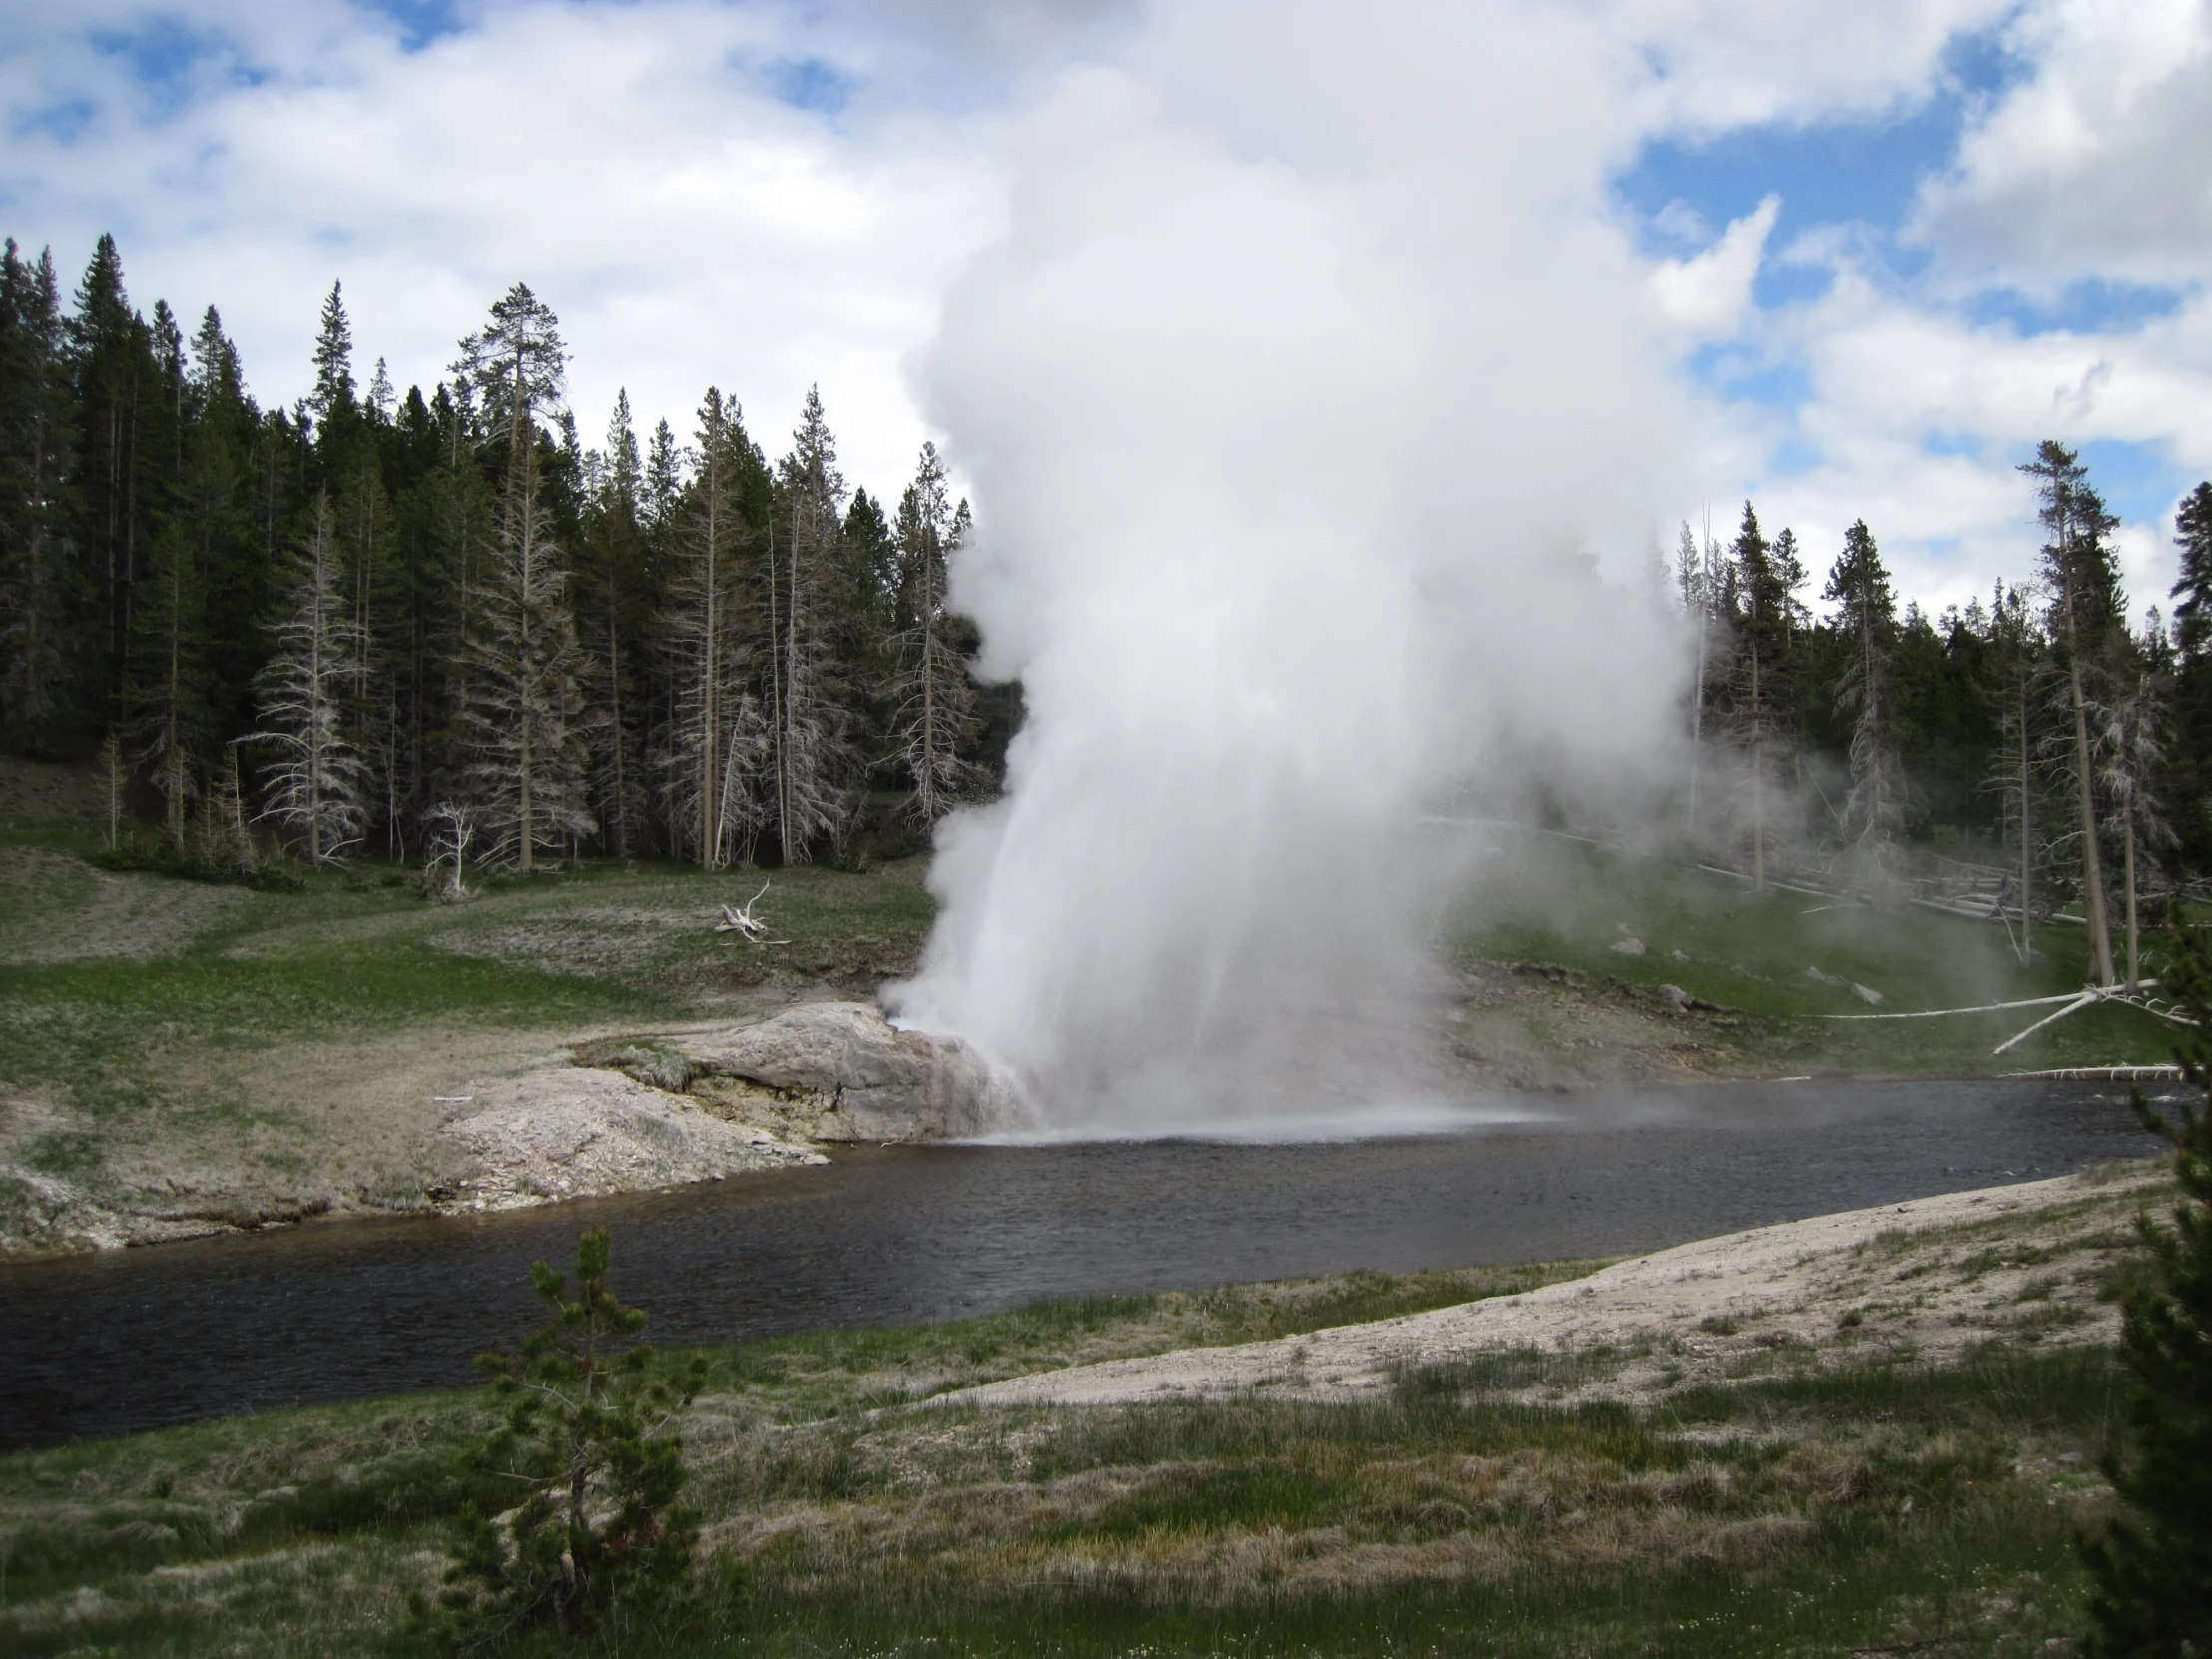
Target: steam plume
(1296,372)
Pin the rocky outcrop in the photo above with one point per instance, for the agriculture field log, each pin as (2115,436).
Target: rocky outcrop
(577,1132)
(834,1071)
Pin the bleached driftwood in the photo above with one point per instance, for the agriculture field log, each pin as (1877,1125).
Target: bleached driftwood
(2135,996)
(1979,1008)
(741,919)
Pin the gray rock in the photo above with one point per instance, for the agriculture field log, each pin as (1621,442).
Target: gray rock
(838,1071)
(577,1132)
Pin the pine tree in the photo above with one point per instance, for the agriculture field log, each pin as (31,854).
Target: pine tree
(314,785)
(103,352)
(2193,535)
(591,1432)
(2019,660)
(333,397)
(2152,1568)
(1762,626)
(814,765)
(524,712)
(2193,675)
(216,501)
(711,618)
(515,364)
(872,633)
(167,678)
(2084,578)
(936,713)
(1866,616)
(37,573)
(380,399)
(524,716)
(663,481)
(616,566)
(1790,572)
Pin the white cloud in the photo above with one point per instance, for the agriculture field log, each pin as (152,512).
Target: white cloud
(1728,64)
(626,162)
(1919,417)
(1708,293)
(2093,164)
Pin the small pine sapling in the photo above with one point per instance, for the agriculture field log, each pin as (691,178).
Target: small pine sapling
(600,1537)
(2152,1566)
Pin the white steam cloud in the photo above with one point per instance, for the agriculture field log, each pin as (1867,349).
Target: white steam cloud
(1308,362)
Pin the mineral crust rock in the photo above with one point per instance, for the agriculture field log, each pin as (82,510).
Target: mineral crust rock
(838,1071)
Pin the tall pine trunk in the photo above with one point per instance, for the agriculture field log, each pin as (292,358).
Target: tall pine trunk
(2092,864)
(2027,839)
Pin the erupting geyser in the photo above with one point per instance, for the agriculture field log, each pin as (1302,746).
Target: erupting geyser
(1289,399)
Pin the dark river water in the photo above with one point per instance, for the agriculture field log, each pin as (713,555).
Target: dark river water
(134,1340)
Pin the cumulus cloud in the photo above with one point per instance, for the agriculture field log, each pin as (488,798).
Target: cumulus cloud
(635,164)
(1722,65)
(2089,167)
(1708,293)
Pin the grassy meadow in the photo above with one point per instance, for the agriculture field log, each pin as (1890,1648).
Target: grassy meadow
(1780,966)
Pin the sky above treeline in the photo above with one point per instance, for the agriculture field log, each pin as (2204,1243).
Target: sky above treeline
(1881,248)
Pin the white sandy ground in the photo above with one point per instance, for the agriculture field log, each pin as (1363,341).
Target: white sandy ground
(1925,1280)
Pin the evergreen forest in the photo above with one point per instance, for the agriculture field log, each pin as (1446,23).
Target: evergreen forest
(443,628)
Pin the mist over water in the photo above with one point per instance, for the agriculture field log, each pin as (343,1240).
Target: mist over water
(1293,396)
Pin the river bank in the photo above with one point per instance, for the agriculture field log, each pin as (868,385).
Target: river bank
(1880,1430)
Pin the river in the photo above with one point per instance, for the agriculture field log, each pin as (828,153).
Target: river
(112,1344)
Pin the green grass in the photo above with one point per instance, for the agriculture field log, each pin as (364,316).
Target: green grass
(1749,954)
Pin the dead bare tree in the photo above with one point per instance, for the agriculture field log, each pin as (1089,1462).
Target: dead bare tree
(110,778)
(524,715)
(2086,600)
(226,844)
(2131,746)
(1698,575)
(739,919)
(452,829)
(313,786)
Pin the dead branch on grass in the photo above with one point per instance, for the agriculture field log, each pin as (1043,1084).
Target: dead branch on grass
(741,919)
